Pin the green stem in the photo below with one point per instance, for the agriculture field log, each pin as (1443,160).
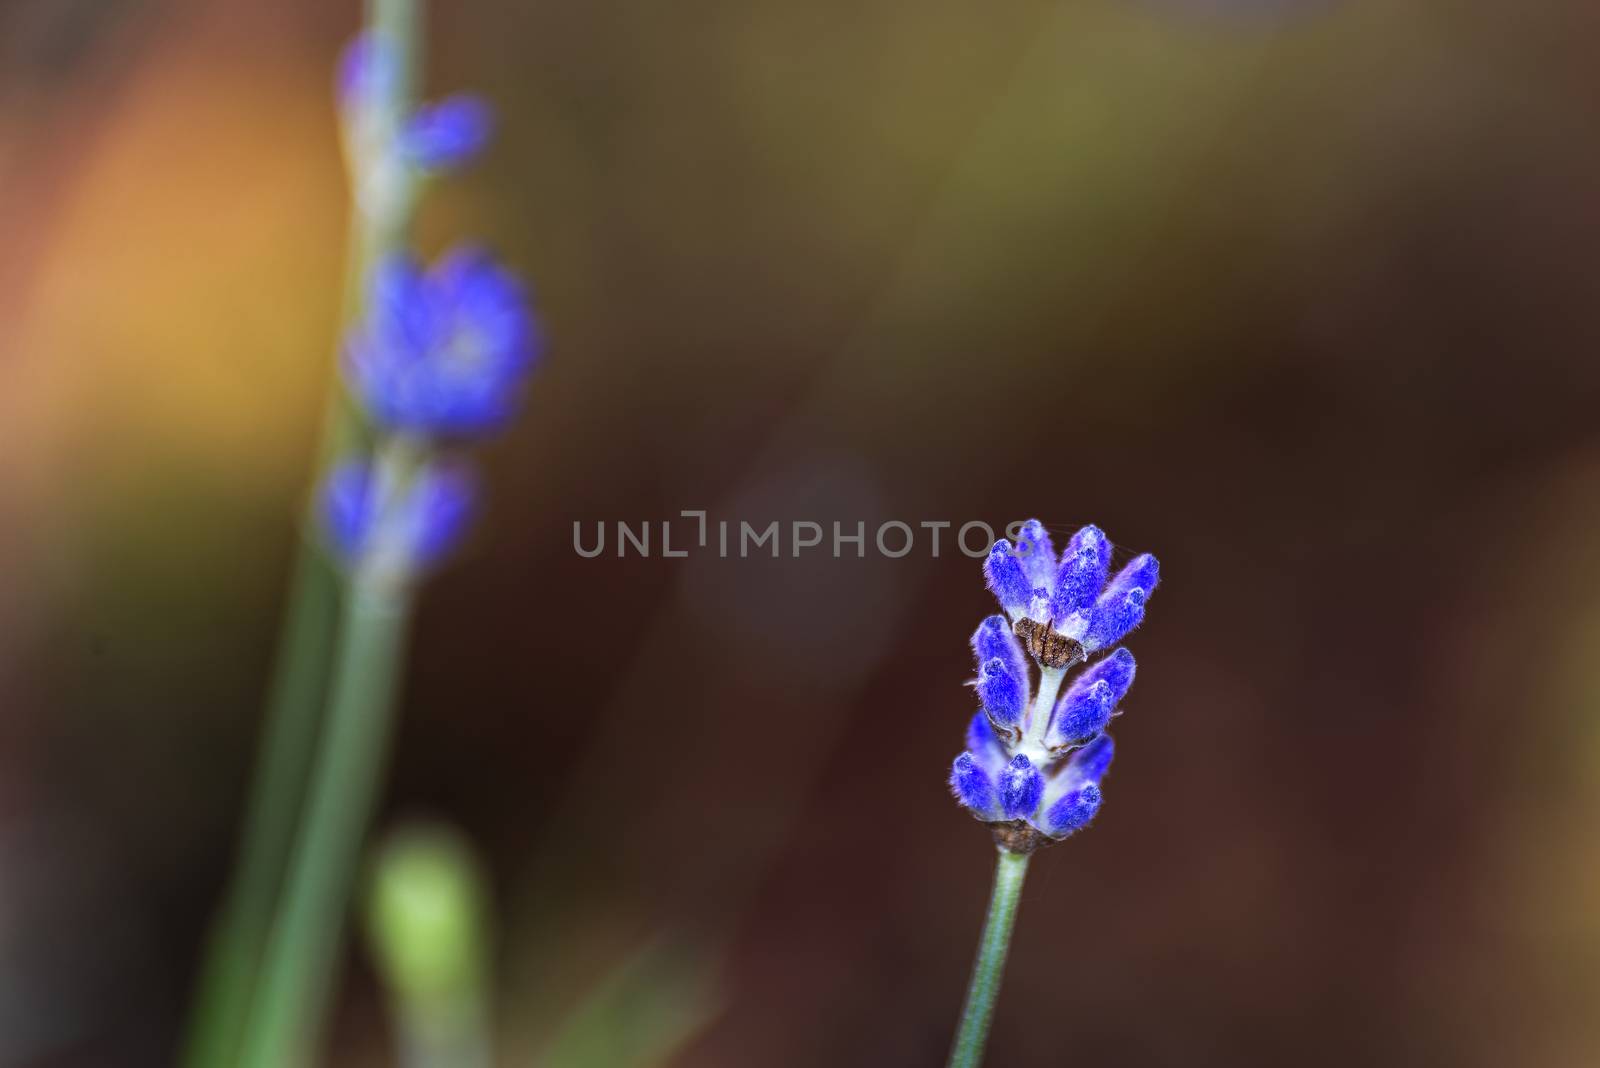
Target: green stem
(967,1052)
(295,701)
(447,1036)
(304,944)
(233,954)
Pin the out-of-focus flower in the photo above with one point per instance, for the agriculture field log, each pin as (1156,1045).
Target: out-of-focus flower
(398,521)
(391,144)
(443,352)
(1032,762)
(448,134)
(366,72)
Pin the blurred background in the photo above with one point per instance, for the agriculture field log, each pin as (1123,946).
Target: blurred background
(1300,297)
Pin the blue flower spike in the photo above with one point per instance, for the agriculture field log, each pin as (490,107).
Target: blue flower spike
(440,353)
(1038,750)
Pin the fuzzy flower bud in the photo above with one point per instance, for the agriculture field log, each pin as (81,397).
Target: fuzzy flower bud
(1121,607)
(1083,568)
(1091,700)
(973,787)
(1007,580)
(1021,787)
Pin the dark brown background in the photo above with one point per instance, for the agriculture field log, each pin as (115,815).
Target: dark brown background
(1301,300)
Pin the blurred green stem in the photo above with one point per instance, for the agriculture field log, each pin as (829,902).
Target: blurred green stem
(453,1037)
(305,938)
(295,701)
(967,1051)
(429,927)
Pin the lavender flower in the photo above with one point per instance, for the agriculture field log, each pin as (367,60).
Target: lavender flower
(391,145)
(403,521)
(1033,764)
(448,134)
(443,352)
(366,72)
(440,352)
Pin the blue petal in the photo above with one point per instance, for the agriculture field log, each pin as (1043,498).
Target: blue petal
(418,529)
(447,134)
(1073,811)
(1094,695)
(1083,571)
(1083,713)
(1006,579)
(1021,786)
(347,507)
(971,785)
(436,512)
(1091,763)
(994,639)
(1037,554)
(1121,607)
(982,741)
(1003,695)
(366,72)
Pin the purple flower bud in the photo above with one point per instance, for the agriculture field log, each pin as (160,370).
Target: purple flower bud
(367,71)
(1003,695)
(1083,713)
(971,785)
(1121,607)
(1091,763)
(1094,695)
(1072,812)
(442,352)
(1021,786)
(437,510)
(1081,574)
(983,742)
(447,134)
(1037,554)
(417,528)
(347,507)
(994,639)
(1006,578)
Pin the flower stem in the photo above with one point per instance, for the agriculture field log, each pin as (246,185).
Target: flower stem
(1037,723)
(295,701)
(304,944)
(967,1051)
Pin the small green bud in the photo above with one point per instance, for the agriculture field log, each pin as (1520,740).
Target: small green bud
(426,917)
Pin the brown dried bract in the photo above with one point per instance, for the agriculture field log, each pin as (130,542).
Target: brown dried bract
(1016,836)
(1048,648)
